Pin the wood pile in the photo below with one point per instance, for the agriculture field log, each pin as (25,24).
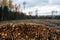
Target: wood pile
(27,31)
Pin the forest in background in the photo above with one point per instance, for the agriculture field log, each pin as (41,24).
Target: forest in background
(7,12)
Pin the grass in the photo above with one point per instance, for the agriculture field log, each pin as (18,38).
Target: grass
(49,22)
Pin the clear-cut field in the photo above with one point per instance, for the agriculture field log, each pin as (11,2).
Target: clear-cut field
(28,31)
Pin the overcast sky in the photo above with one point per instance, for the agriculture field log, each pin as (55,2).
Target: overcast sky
(44,6)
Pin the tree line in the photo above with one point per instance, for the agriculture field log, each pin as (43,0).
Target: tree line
(6,14)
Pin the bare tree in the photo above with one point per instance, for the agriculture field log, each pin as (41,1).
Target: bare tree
(24,4)
(30,13)
(36,11)
(53,14)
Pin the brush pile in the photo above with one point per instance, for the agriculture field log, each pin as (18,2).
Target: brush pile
(25,31)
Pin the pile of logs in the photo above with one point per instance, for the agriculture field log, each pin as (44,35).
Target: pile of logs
(27,31)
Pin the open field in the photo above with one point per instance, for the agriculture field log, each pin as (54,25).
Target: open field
(48,22)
